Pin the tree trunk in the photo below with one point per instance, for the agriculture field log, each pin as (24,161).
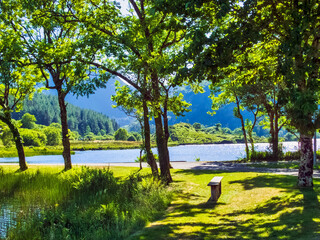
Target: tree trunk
(160,138)
(306,162)
(18,141)
(166,124)
(150,157)
(243,128)
(65,133)
(162,150)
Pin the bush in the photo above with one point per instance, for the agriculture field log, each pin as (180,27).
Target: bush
(137,136)
(53,136)
(121,134)
(6,137)
(132,138)
(28,121)
(197,126)
(33,138)
(99,206)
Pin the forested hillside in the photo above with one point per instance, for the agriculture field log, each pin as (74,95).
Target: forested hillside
(46,110)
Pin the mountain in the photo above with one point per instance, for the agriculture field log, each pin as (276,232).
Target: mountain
(201,104)
(45,108)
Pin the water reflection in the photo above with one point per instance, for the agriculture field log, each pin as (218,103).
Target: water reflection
(8,218)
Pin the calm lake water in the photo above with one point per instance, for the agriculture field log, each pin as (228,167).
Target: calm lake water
(189,153)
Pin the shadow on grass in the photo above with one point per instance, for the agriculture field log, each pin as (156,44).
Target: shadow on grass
(292,215)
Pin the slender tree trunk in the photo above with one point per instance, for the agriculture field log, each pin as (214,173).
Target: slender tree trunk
(65,133)
(150,157)
(276,135)
(160,137)
(166,124)
(306,162)
(162,150)
(18,141)
(243,128)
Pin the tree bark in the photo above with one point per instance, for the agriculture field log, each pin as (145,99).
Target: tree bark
(306,162)
(65,133)
(162,150)
(243,128)
(147,142)
(17,139)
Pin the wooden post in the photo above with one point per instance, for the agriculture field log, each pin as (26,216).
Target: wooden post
(215,185)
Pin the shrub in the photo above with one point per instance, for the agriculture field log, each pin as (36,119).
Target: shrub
(121,134)
(53,136)
(33,138)
(137,136)
(6,137)
(132,138)
(99,207)
(197,126)
(28,121)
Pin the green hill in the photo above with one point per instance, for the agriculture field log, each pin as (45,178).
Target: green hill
(46,110)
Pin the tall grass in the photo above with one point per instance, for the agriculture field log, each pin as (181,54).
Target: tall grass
(83,203)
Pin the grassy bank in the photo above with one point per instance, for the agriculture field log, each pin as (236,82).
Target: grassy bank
(84,203)
(31,151)
(75,146)
(252,206)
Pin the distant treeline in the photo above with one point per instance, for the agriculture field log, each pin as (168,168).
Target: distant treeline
(46,110)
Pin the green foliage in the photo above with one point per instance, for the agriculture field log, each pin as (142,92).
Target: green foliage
(290,137)
(84,203)
(144,158)
(132,138)
(121,134)
(6,137)
(136,135)
(53,135)
(197,126)
(33,137)
(46,110)
(186,133)
(28,121)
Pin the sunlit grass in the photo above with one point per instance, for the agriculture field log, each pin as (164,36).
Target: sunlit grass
(82,203)
(252,206)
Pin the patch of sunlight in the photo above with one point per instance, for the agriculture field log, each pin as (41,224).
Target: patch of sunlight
(249,199)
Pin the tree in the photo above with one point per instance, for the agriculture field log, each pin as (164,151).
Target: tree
(17,80)
(121,134)
(134,104)
(56,46)
(28,121)
(197,126)
(144,44)
(296,26)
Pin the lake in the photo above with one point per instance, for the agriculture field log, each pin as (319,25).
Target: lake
(189,153)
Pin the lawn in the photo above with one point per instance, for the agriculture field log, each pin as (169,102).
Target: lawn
(252,206)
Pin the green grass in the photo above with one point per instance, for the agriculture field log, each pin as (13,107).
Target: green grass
(252,206)
(31,151)
(83,203)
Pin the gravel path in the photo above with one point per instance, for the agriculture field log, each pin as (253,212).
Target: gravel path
(219,166)
(223,166)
